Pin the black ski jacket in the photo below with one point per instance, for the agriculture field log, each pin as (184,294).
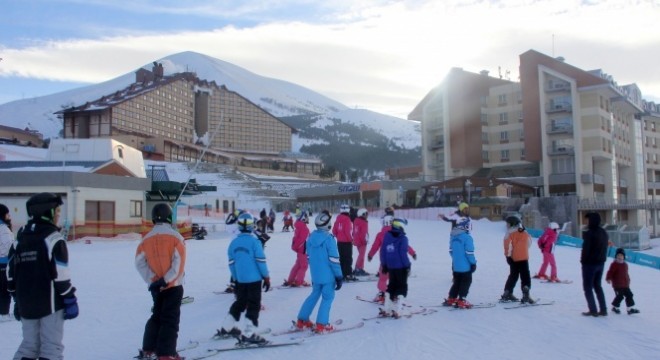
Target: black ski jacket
(595,242)
(38,271)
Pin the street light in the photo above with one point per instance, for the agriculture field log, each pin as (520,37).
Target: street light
(468,183)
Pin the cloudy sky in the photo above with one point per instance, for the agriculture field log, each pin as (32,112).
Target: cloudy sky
(376,54)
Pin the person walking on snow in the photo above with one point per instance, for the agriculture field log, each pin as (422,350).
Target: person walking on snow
(6,241)
(516,250)
(38,277)
(326,276)
(618,276)
(160,260)
(547,245)
(464,263)
(343,232)
(381,285)
(247,264)
(592,258)
(394,261)
(360,240)
(299,269)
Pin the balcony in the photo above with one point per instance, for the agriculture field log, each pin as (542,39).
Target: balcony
(559,107)
(561,179)
(556,150)
(557,86)
(435,145)
(561,128)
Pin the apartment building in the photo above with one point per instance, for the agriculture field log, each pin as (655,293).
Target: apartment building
(451,117)
(173,117)
(561,130)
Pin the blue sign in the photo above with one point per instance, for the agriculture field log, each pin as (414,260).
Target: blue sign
(349,188)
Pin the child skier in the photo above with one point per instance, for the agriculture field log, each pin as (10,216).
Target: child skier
(247,264)
(375,247)
(547,245)
(464,263)
(360,240)
(299,269)
(288,221)
(160,259)
(516,250)
(395,262)
(617,275)
(326,275)
(459,215)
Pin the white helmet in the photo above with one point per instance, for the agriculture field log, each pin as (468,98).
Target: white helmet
(387,220)
(362,212)
(344,208)
(554,226)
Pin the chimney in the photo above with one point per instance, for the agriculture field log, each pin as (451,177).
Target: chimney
(158,70)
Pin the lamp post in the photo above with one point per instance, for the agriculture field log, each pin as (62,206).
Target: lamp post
(468,183)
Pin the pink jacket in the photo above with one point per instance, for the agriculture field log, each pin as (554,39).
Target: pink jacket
(360,232)
(300,234)
(378,241)
(547,241)
(343,228)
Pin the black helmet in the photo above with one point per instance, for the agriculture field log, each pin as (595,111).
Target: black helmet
(161,213)
(389,211)
(43,205)
(512,221)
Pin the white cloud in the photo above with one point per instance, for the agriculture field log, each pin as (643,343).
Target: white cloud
(385,57)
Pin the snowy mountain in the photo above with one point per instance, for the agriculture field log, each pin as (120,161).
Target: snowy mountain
(278,97)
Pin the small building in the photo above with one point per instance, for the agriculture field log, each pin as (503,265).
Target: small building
(102,183)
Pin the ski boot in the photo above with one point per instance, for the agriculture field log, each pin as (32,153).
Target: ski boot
(633,311)
(462,304)
(539,276)
(304,324)
(508,296)
(380,297)
(322,329)
(250,336)
(616,310)
(146,355)
(450,301)
(525,298)
(224,334)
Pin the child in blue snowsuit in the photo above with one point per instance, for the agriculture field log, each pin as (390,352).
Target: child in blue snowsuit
(461,249)
(321,248)
(394,261)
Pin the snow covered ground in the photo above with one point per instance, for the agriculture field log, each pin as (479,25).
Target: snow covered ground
(114,305)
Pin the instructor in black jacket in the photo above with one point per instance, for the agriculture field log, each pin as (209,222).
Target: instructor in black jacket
(594,254)
(38,276)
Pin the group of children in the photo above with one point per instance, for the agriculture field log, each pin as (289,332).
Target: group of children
(161,256)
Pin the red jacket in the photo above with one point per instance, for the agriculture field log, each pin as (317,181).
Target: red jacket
(360,232)
(343,228)
(300,234)
(618,275)
(547,241)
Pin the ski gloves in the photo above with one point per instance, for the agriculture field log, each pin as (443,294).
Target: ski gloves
(70,307)
(338,282)
(154,287)
(266,284)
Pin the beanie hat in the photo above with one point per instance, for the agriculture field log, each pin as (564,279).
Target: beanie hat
(620,251)
(3,212)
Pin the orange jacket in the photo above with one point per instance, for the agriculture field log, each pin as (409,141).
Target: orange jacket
(516,244)
(161,254)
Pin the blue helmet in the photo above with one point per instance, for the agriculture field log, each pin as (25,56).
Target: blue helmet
(304,217)
(245,222)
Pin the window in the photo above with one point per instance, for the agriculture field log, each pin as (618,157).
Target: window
(504,118)
(504,154)
(504,136)
(501,99)
(484,155)
(136,209)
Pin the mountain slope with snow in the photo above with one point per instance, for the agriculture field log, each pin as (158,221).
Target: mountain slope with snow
(278,97)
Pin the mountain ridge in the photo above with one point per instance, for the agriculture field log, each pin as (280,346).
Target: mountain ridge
(281,98)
